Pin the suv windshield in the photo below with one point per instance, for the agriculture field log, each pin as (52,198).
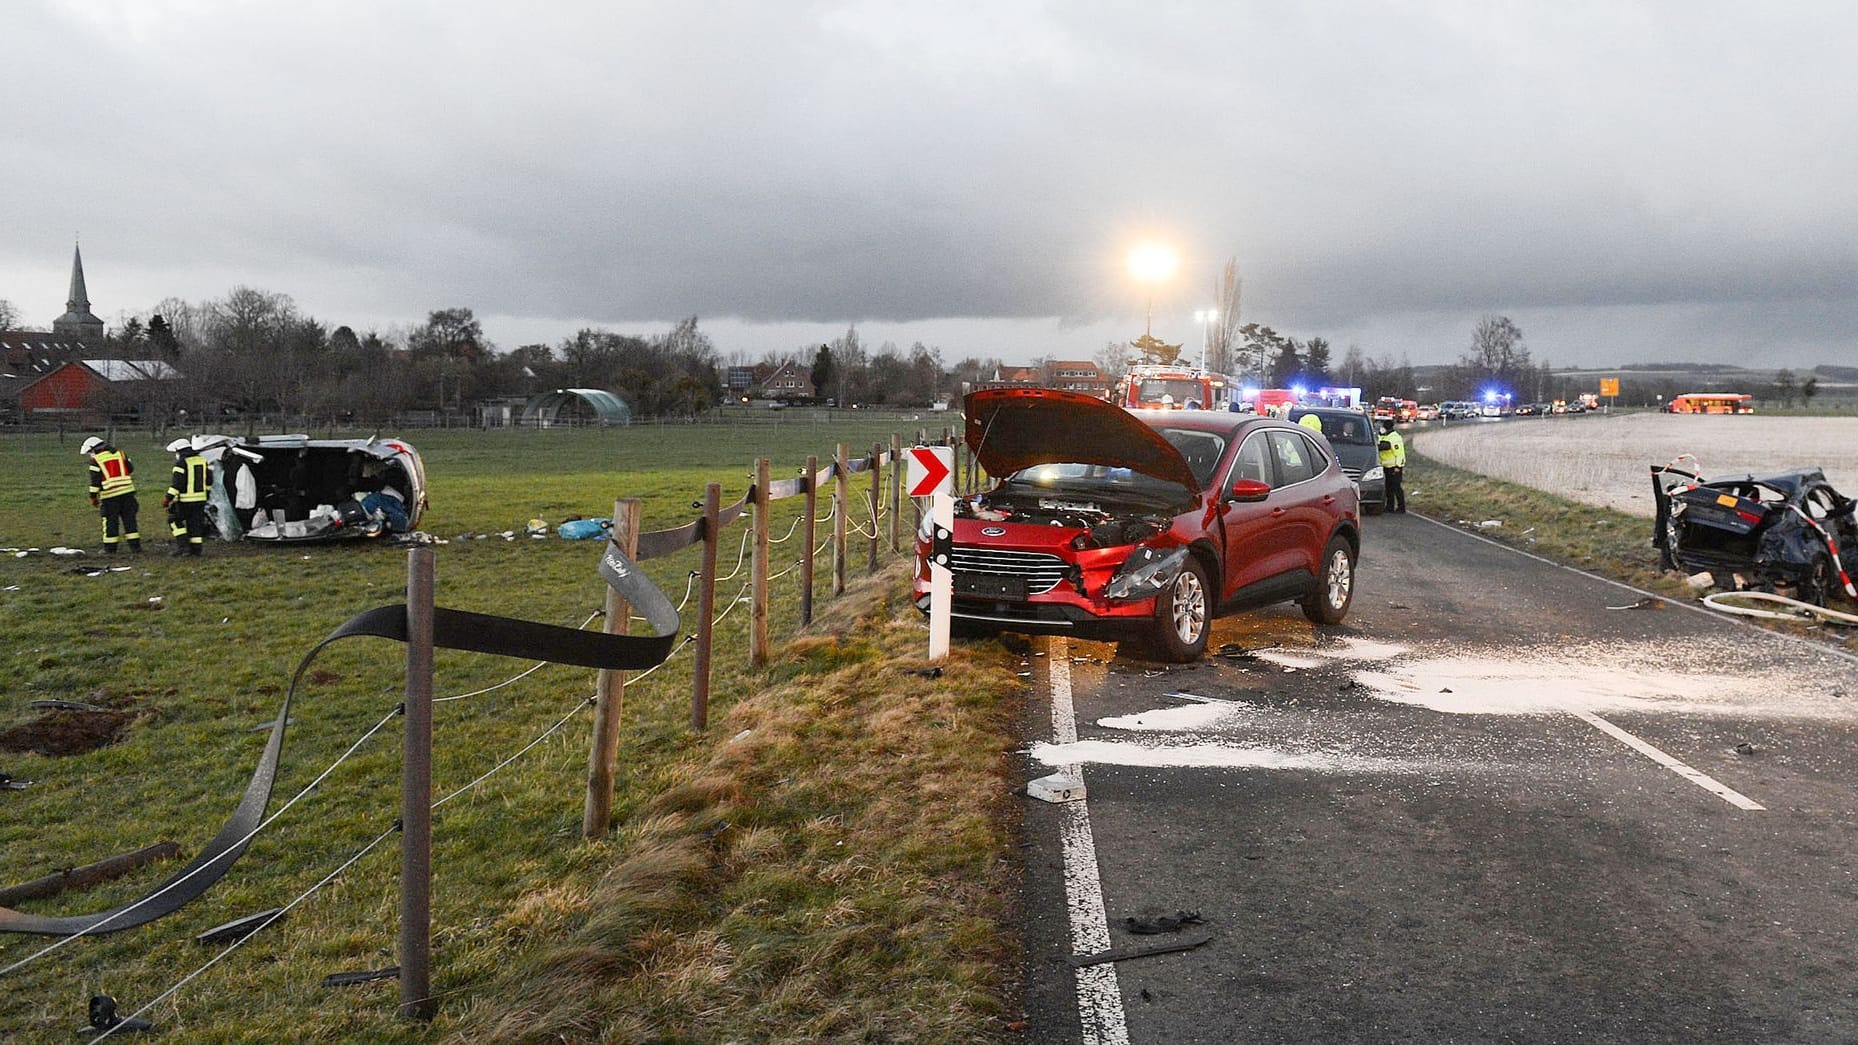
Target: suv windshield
(1201,449)
(1352,428)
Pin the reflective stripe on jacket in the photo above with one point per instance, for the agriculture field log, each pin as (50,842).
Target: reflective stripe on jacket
(1393,451)
(190,479)
(110,473)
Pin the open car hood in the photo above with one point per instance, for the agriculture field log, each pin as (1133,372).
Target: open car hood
(1014,428)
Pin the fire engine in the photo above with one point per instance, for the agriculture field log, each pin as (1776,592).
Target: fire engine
(1393,408)
(1153,386)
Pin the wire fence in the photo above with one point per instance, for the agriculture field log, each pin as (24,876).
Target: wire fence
(754,592)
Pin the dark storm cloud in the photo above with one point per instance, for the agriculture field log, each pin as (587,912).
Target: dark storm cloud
(1670,175)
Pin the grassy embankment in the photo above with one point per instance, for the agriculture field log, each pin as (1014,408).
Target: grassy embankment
(831,859)
(1603,541)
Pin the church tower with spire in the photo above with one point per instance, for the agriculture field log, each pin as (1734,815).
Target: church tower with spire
(78,324)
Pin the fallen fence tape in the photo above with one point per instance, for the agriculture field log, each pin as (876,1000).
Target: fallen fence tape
(452,629)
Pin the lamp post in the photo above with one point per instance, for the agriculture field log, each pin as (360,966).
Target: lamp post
(1152,263)
(1206,317)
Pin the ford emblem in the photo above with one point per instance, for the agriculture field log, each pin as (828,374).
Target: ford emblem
(993,531)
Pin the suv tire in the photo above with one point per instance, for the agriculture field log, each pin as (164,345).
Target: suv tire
(1328,602)
(1183,616)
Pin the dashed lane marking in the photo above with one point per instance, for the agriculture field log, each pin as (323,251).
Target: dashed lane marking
(1695,776)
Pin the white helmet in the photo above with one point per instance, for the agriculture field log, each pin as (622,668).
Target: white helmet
(90,446)
(180,444)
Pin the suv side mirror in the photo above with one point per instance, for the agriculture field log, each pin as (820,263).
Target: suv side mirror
(1249,490)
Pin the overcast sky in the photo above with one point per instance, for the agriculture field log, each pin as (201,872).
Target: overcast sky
(1628,181)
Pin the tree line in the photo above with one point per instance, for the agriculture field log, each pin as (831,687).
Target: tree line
(254,354)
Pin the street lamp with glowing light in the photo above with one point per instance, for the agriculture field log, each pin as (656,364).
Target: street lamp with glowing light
(1150,264)
(1206,317)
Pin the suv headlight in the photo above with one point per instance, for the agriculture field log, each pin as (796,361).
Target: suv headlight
(1145,572)
(1374,474)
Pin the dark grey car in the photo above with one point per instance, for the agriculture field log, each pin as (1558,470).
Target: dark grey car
(1351,433)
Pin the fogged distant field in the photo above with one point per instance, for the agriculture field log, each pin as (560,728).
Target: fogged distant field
(1604,460)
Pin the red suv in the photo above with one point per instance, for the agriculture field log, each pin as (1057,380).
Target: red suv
(1143,525)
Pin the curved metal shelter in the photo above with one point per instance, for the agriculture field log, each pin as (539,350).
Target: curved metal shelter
(576,405)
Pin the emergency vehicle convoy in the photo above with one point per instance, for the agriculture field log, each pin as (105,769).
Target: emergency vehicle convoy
(1399,411)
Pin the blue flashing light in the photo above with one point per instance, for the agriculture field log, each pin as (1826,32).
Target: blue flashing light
(1299,390)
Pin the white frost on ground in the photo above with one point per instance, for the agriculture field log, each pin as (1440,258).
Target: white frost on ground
(1606,461)
(1613,676)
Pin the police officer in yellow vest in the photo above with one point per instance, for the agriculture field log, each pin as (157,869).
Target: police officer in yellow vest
(1393,464)
(112,492)
(186,499)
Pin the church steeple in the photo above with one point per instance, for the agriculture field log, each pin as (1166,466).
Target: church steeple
(78,323)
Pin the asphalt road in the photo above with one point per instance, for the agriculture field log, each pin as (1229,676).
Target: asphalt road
(1501,804)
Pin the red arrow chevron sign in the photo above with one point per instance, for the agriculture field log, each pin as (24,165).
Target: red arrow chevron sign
(929,469)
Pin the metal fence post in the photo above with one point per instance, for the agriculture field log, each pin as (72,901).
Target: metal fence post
(416,794)
(610,689)
(809,523)
(706,606)
(877,480)
(758,598)
(842,506)
(896,491)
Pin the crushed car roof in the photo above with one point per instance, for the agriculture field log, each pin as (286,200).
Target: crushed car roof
(1010,429)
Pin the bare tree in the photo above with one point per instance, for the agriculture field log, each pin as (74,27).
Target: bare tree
(1113,359)
(9,316)
(1224,336)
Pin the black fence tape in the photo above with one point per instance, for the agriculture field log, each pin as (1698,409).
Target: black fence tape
(452,629)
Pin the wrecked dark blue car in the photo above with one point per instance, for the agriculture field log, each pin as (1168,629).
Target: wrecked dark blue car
(1790,533)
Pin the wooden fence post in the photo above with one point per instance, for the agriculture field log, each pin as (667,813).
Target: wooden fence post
(808,525)
(877,480)
(416,794)
(758,597)
(896,491)
(610,688)
(706,606)
(842,506)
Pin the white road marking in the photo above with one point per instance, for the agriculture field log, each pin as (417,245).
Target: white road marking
(1099,993)
(1697,777)
(1204,756)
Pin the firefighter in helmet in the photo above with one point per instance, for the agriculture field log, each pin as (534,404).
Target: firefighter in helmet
(186,498)
(112,492)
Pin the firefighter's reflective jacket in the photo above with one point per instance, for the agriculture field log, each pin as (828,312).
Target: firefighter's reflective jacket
(190,479)
(111,474)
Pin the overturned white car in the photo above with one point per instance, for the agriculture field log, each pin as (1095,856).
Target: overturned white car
(292,488)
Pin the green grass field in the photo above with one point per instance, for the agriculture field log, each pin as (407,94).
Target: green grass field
(199,653)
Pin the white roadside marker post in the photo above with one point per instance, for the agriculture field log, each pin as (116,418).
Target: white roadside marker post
(941,579)
(930,473)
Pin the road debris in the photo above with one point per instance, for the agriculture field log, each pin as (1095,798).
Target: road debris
(1649,602)
(1057,788)
(1118,954)
(1154,924)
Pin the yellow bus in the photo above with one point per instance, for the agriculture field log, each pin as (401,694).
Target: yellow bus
(1711,403)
